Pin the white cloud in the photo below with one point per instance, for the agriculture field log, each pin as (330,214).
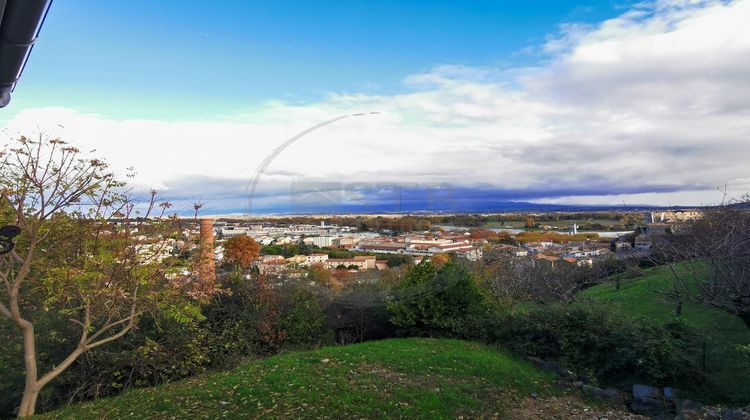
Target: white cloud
(654,100)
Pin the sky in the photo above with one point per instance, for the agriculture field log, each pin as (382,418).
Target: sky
(479,103)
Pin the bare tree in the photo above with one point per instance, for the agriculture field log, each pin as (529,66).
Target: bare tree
(93,252)
(710,258)
(504,275)
(517,279)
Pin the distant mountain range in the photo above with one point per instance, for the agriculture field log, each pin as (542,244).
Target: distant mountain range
(416,209)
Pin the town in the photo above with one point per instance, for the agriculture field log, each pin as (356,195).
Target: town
(372,210)
(341,247)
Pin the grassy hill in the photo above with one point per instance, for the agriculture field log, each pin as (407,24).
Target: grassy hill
(383,378)
(426,378)
(412,378)
(728,369)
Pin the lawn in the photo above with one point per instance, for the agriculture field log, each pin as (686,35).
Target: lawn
(728,369)
(513,224)
(412,378)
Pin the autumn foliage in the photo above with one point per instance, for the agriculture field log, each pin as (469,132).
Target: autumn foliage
(241,250)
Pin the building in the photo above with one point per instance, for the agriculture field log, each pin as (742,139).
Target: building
(643,243)
(298,260)
(381,264)
(622,246)
(361,262)
(321,241)
(545,259)
(519,252)
(422,247)
(317,258)
(232,231)
(673,216)
(383,247)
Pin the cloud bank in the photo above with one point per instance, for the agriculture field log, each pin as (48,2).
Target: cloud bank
(651,107)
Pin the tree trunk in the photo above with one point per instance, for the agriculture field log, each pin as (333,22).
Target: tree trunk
(31,389)
(28,402)
(677,302)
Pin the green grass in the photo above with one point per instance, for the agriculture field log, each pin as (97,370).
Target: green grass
(562,224)
(413,378)
(507,225)
(728,369)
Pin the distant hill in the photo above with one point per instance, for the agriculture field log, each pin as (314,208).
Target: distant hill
(422,208)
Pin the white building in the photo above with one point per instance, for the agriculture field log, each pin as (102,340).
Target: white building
(321,241)
(317,258)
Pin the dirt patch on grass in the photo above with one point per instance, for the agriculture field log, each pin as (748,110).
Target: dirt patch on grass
(497,403)
(563,407)
(393,376)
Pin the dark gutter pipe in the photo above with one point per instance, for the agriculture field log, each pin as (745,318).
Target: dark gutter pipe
(20,22)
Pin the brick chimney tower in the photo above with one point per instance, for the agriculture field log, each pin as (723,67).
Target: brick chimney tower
(207,265)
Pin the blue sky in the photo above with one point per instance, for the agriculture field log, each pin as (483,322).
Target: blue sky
(182,59)
(555,102)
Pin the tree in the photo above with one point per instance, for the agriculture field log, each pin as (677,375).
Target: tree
(247,320)
(546,283)
(241,250)
(711,256)
(430,301)
(319,275)
(305,322)
(512,279)
(303,248)
(359,313)
(440,260)
(74,259)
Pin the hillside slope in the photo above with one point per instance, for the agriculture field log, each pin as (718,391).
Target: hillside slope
(727,368)
(412,378)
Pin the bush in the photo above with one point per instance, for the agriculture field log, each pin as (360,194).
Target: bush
(305,323)
(359,314)
(604,348)
(156,352)
(243,322)
(430,302)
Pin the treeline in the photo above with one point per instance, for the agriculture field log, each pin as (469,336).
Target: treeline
(585,220)
(362,223)
(539,236)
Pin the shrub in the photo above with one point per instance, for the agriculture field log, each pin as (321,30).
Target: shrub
(244,322)
(305,323)
(434,302)
(359,314)
(604,347)
(156,352)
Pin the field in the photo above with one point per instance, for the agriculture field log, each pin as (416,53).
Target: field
(727,367)
(562,225)
(513,224)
